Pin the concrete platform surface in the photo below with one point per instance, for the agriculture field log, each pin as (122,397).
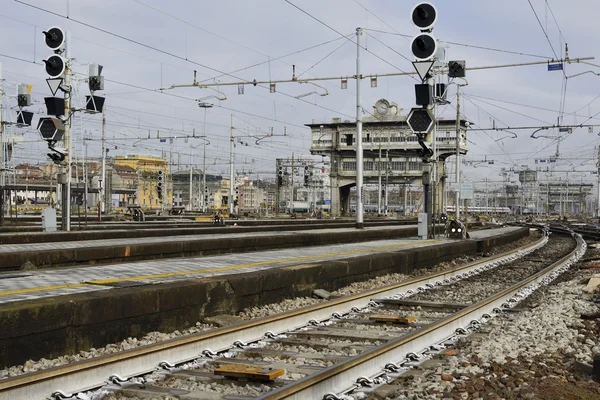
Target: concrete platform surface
(486,233)
(29,285)
(45,283)
(32,247)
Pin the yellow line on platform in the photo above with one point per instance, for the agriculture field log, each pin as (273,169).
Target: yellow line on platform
(207,270)
(42,289)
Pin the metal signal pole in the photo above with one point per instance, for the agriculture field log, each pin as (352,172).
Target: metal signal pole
(103,187)
(457,168)
(231,169)
(66,206)
(190,202)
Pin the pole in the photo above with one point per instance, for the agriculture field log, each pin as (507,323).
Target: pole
(85,183)
(379,182)
(359,145)
(191,207)
(2,193)
(597,188)
(103,186)
(457,167)
(405,203)
(66,208)
(387,170)
(231,168)
(204,165)
(204,193)
(292,188)
(66,195)
(204,200)
(433,175)
(567,196)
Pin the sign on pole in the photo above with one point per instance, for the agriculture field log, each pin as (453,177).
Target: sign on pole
(423,68)
(555,67)
(466,191)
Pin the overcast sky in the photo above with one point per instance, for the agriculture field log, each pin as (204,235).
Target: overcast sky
(146,45)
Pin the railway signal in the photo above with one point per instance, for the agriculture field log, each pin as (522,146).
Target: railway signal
(55,66)
(420,120)
(424,46)
(94,103)
(160,185)
(52,131)
(457,69)
(23,100)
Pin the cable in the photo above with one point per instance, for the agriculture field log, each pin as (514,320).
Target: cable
(486,132)
(223,38)
(199,28)
(543,30)
(392,49)
(556,22)
(515,112)
(172,95)
(530,106)
(280,57)
(318,62)
(467,45)
(336,31)
(169,53)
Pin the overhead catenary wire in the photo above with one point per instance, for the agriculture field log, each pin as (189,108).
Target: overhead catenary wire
(543,30)
(518,53)
(512,111)
(338,32)
(165,52)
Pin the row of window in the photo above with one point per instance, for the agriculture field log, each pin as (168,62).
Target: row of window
(376,166)
(368,138)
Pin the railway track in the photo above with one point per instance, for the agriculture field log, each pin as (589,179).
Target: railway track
(323,349)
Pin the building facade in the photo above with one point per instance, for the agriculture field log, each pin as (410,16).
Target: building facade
(390,149)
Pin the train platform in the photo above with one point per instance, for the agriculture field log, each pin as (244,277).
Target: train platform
(64,253)
(53,312)
(128,230)
(45,283)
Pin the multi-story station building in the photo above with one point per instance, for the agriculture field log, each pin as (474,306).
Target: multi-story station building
(389,146)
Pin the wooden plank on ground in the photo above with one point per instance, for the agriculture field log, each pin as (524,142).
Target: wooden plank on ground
(417,303)
(395,319)
(251,372)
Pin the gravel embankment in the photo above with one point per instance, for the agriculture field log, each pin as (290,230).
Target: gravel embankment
(487,283)
(535,354)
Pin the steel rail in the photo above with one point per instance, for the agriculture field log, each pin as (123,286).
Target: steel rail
(90,374)
(341,377)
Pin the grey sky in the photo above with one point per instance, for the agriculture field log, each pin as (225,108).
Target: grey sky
(257,29)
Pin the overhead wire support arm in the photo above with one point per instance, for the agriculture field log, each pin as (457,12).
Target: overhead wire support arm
(539,128)
(294,79)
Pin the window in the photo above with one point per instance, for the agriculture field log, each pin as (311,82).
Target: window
(349,165)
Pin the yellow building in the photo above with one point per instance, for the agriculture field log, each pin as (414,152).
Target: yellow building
(221,196)
(147,169)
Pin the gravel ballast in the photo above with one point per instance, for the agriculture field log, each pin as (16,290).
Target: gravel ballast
(534,354)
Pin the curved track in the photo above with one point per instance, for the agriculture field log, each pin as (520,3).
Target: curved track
(71,379)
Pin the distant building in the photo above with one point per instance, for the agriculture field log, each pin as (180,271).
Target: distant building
(389,146)
(146,169)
